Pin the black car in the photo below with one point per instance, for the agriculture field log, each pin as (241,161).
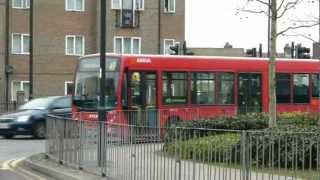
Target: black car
(30,118)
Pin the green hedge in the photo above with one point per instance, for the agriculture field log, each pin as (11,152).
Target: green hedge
(254,121)
(290,146)
(207,149)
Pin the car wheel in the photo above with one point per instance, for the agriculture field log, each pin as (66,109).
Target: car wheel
(39,130)
(8,136)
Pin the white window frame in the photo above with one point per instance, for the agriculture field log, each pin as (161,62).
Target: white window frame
(21,88)
(134,5)
(138,8)
(122,43)
(113,6)
(21,43)
(164,45)
(74,45)
(136,38)
(26,3)
(66,86)
(114,43)
(174,7)
(69,9)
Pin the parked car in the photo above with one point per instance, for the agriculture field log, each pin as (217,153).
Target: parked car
(30,118)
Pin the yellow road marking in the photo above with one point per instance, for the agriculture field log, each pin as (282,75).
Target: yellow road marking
(12,165)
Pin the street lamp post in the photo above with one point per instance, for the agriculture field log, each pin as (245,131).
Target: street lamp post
(31,51)
(101,108)
(7,53)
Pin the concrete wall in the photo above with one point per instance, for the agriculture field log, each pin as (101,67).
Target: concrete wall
(233,52)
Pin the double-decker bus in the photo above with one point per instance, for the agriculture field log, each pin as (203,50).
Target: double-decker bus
(154,90)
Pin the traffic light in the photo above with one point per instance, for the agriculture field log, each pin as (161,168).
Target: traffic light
(252,52)
(185,50)
(303,52)
(175,49)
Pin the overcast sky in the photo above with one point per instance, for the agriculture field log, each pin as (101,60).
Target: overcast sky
(212,23)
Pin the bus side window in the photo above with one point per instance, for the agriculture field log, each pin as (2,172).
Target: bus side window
(283,88)
(316,85)
(124,91)
(301,88)
(174,88)
(225,86)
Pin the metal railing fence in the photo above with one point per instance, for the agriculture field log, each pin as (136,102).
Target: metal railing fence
(133,152)
(8,107)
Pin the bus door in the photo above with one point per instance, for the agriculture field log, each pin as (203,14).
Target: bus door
(249,91)
(143,103)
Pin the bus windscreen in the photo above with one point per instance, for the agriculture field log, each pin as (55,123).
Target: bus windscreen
(87,83)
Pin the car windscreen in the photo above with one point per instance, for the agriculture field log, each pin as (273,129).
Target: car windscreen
(41,103)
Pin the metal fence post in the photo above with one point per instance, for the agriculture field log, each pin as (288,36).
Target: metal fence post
(245,156)
(48,138)
(81,144)
(103,148)
(177,157)
(61,136)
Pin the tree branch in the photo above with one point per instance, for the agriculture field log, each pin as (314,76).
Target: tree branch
(297,27)
(281,4)
(300,35)
(287,7)
(264,3)
(253,11)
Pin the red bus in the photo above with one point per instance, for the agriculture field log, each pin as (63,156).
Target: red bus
(161,89)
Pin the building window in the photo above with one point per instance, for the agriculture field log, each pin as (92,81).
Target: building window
(174,88)
(20,87)
(203,88)
(75,5)
(316,85)
(20,43)
(301,88)
(170,6)
(166,46)
(283,88)
(68,88)
(75,45)
(127,4)
(21,4)
(127,45)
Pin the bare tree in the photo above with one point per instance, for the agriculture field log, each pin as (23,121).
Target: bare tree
(274,11)
(309,20)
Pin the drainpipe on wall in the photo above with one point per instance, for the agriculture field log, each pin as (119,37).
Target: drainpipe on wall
(159,26)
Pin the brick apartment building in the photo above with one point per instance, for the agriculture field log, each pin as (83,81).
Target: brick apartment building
(64,30)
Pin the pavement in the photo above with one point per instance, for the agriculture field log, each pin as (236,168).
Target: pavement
(50,168)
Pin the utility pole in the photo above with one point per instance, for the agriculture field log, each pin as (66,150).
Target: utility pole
(31,51)
(7,53)
(102,99)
